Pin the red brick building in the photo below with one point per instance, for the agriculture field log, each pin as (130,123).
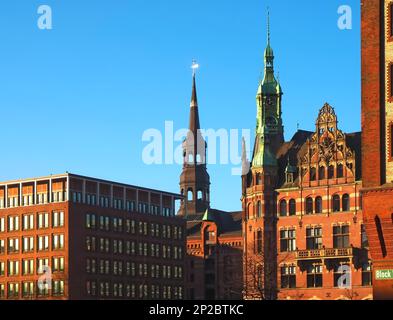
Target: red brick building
(90,239)
(302,216)
(214,237)
(377,139)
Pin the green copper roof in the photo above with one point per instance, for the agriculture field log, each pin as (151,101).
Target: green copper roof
(208,216)
(269,52)
(262,154)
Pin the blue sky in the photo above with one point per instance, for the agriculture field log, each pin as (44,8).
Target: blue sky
(78,98)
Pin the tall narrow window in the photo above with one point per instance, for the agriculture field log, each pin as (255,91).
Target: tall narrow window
(331,172)
(340,171)
(283,208)
(309,206)
(292,207)
(346,204)
(321,173)
(318,205)
(259,242)
(259,209)
(313,174)
(336,203)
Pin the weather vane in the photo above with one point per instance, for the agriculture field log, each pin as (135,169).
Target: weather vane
(194,67)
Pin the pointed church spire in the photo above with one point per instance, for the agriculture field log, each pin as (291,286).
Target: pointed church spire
(194,125)
(245,162)
(194,180)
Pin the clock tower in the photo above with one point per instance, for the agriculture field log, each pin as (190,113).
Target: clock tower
(269,121)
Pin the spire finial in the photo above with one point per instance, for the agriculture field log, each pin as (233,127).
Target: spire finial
(194,67)
(268,26)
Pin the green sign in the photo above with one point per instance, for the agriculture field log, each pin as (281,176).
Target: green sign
(384,274)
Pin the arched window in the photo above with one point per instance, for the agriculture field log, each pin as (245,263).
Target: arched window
(249,211)
(292,207)
(190,195)
(313,174)
(321,173)
(200,195)
(190,158)
(340,171)
(283,208)
(331,172)
(259,209)
(336,203)
(309,206)
(346,205)
(318,205)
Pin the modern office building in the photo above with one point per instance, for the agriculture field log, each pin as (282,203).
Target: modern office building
(74,237)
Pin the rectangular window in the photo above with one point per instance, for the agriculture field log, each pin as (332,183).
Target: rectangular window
(28,267)
(58,288)
(288,277)
(2,246)
(287,240)
(43,220)
(13,245)
(43,243)
(314,238)
(2,268)
(57,241)
(58,219)
(13,223)
(341,275)
(28,222)
(314,276)
(341,236)
(28,289)
(2,224)
(366,274)
(13,290)
(13,268)
(28,244)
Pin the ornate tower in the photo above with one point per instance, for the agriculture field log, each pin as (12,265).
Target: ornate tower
(377,139)
(269,122)
(194,179)
(259,203)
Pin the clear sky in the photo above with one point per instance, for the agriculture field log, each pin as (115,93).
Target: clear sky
(78,97)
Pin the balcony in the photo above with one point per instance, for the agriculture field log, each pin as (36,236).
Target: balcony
(324,253)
